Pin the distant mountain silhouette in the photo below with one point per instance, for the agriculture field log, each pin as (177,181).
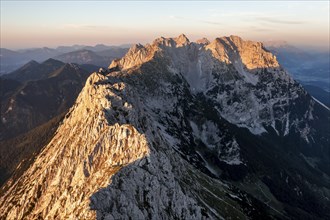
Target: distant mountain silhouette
(34,71)
(11,60)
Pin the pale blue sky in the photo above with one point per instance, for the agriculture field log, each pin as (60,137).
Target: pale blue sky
(52,23)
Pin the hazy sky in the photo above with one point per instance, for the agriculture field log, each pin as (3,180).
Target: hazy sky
(52,23)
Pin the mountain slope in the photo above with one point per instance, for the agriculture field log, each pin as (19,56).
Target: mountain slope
(322,95)
(31,112)
(19,152)
(183,131)
(34,71)
(249,89)
(96,151)
(36,102)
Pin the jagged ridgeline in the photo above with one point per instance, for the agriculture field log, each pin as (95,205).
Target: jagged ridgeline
(183,130)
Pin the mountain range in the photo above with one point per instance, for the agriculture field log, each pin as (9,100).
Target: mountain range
(179,130)
(311,68)
(11,60)
(102,58)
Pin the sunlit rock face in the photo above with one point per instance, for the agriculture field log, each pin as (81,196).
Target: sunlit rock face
(244,80)
(170,131)
(86,150)
(105,130)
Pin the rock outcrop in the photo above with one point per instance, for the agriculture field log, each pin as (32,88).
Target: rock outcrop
(183,130)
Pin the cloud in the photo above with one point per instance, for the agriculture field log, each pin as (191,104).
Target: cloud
(280,21)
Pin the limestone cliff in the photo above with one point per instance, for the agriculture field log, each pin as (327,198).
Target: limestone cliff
(183,130)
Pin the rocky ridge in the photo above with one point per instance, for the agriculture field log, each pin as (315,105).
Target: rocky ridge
(167,134)
(91,145)
(230,64)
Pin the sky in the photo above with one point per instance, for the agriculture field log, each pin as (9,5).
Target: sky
(26,24)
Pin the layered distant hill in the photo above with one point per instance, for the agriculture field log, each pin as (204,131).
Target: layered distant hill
(11,60)
(84,56)
(310,67)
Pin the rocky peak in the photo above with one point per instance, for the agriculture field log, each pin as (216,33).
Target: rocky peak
(51,61)
(252,54)
(136,55)
(163,42)
(225,49)
(203,41)
(134,145)
(32,63)
(181,40)
(135,48)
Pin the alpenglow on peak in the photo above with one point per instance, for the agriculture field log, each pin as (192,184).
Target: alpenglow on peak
(183,130)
